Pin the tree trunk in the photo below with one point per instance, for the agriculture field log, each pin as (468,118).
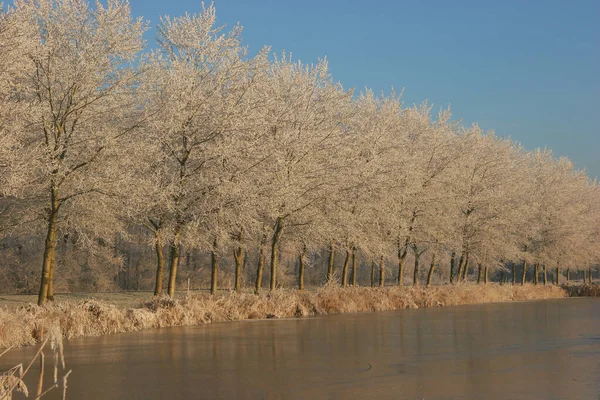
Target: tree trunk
(502,278)
(50,295)
(524,274)
(590,275)
(545,274)
(568,274)
(416,270)
(238,255)
(160,266)
(373,274)
(479,273)
(346,266)
(460,267)
(536,273)
(382,272)
(485,275)
(466,267)
(214,269)
(301,268)
(431,269)
(49,246)
(354,268)
(402,251)
(452,265)
(557,271)
(331,263)
(584,276)
(260,268)
(174,261)
(275,251)
(514,273)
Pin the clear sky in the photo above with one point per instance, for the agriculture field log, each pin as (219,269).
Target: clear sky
(526,69)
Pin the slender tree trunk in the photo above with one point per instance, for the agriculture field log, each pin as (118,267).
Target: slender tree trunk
(174,251)
(51,280)
(214,268)
(354,268)
(568,274)
(557,276)
(260,267)
(373,274)
(479,273)
(536,273)
(160,266)
(514,273)
(382,272)
(466,267)
(238,255)
(460,267)
(346,266)
(452,265)
(502,278)
(485,275)
(416,269)
(584,276)
(277,230)
(301,268)
(331,263)
(402,251)
(590,275)
(49,246)
(432,268)
(524,274)
(545,274)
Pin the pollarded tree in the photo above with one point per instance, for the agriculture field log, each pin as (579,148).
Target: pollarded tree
(77,82)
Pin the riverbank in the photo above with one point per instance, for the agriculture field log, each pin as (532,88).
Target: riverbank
(27,325)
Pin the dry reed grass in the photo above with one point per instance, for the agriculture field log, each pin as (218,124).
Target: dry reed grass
(30,324)
(587,290)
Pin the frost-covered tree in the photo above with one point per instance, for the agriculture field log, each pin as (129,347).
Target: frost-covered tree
(76,82)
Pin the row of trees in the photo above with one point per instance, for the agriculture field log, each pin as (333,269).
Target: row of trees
(208,148)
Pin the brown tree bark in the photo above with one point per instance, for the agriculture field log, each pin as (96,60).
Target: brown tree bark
(160,266)
(536,273)
(49,245)
(479,272)
(402,252)
(373,274)
(346,266)
(524,274)
(174,250)
(301,268)
(465,270)
(260,268)
(416,269)
(514,273)
(354,268)
(238,255)
(277,230)
(545,274)
(452,266)
(382,272)
(431,269)
(331,262)
(485,276)
(214,268)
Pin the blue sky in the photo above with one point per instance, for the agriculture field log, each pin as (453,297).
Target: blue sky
(526,69)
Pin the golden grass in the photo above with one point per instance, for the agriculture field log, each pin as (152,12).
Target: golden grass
(30,324)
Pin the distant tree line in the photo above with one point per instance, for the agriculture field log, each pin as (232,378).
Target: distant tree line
(119,165)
